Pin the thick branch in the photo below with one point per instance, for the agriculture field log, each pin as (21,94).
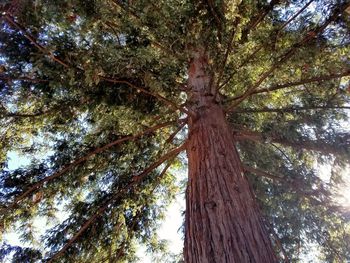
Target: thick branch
(298,83)
(161,160)
(217,17)
(135,179)
(83,159)
(290,109)
(310,145)
(162,173)
(172,136)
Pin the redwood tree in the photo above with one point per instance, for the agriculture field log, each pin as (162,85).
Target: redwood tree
(103,96)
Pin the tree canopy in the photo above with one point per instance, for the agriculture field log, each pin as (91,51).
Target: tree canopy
(95,94)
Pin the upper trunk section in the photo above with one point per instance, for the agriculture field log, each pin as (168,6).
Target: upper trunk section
(199,82)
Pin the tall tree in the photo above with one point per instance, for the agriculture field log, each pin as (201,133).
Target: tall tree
(103,96)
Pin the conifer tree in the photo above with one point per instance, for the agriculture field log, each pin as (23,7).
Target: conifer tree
(107,98)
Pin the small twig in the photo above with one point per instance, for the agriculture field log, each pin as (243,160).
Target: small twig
(282,152)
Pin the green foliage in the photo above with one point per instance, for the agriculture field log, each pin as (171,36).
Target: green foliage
(71,74)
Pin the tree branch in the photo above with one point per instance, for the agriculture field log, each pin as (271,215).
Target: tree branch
(278,241)
(81,160)
(160,176)
(259,17)
(217,18)
(40,112)
(298,83)
(22,115)
(228,51)
(172,136)
(154,43)
(51,55)
(293,184)
(262,173)
(288,54)
(156,95)
(7,78)
(290,109)
(240,66)
(13,23)
(264,45)
(310,145)
(295,15)
(135,179)
(282,152)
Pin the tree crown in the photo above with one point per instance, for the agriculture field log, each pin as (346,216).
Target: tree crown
(95,93)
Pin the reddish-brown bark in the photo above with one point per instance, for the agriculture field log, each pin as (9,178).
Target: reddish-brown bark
(223,223)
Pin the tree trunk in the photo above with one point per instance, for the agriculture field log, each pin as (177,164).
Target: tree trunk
(223,223)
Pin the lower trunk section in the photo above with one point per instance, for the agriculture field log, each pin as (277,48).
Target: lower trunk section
(223,223)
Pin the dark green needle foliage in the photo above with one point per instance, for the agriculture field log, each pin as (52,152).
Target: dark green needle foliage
(93,92)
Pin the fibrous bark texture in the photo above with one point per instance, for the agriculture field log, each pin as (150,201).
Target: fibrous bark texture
(223,223)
